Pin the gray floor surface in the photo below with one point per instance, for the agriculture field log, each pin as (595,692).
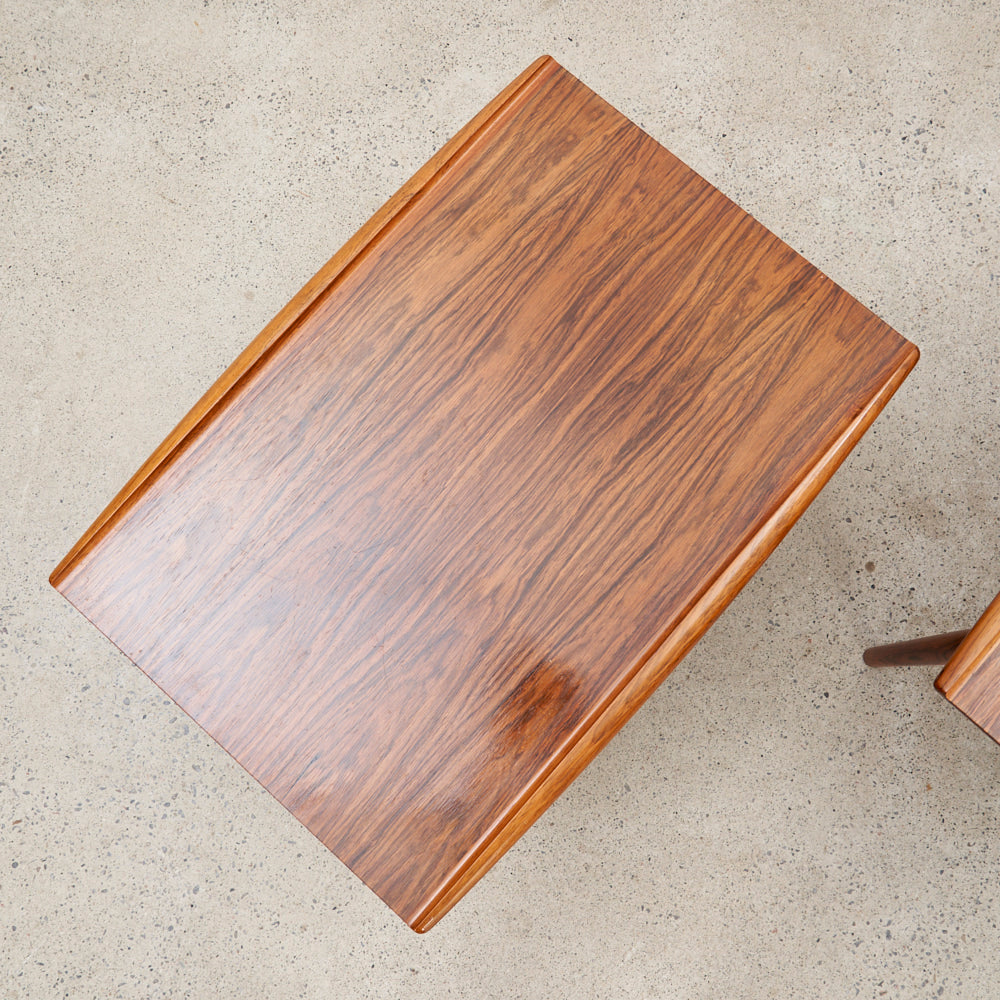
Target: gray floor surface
(777,820)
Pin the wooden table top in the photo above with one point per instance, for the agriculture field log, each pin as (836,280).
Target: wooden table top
(460,508)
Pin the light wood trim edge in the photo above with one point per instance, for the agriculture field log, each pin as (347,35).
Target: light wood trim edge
(229,383)
(974,648)
(599,727)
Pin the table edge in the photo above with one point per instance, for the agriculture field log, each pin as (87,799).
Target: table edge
(970,656)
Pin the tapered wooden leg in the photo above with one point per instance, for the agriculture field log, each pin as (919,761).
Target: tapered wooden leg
(931,649)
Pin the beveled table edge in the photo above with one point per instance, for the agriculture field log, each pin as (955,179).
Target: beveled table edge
(972,652)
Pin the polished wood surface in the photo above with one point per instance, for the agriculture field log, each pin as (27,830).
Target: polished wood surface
(971,680)
(448,522)
(930,650)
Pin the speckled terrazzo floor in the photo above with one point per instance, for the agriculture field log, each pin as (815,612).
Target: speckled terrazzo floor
(777,821)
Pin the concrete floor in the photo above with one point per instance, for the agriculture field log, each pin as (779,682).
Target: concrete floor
(777,821)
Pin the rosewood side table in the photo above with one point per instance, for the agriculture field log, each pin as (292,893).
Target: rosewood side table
(460,508)
(971,676)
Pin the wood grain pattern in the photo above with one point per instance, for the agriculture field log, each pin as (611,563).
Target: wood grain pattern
(971,680)
(271,337)
(930,650)
(433,540)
